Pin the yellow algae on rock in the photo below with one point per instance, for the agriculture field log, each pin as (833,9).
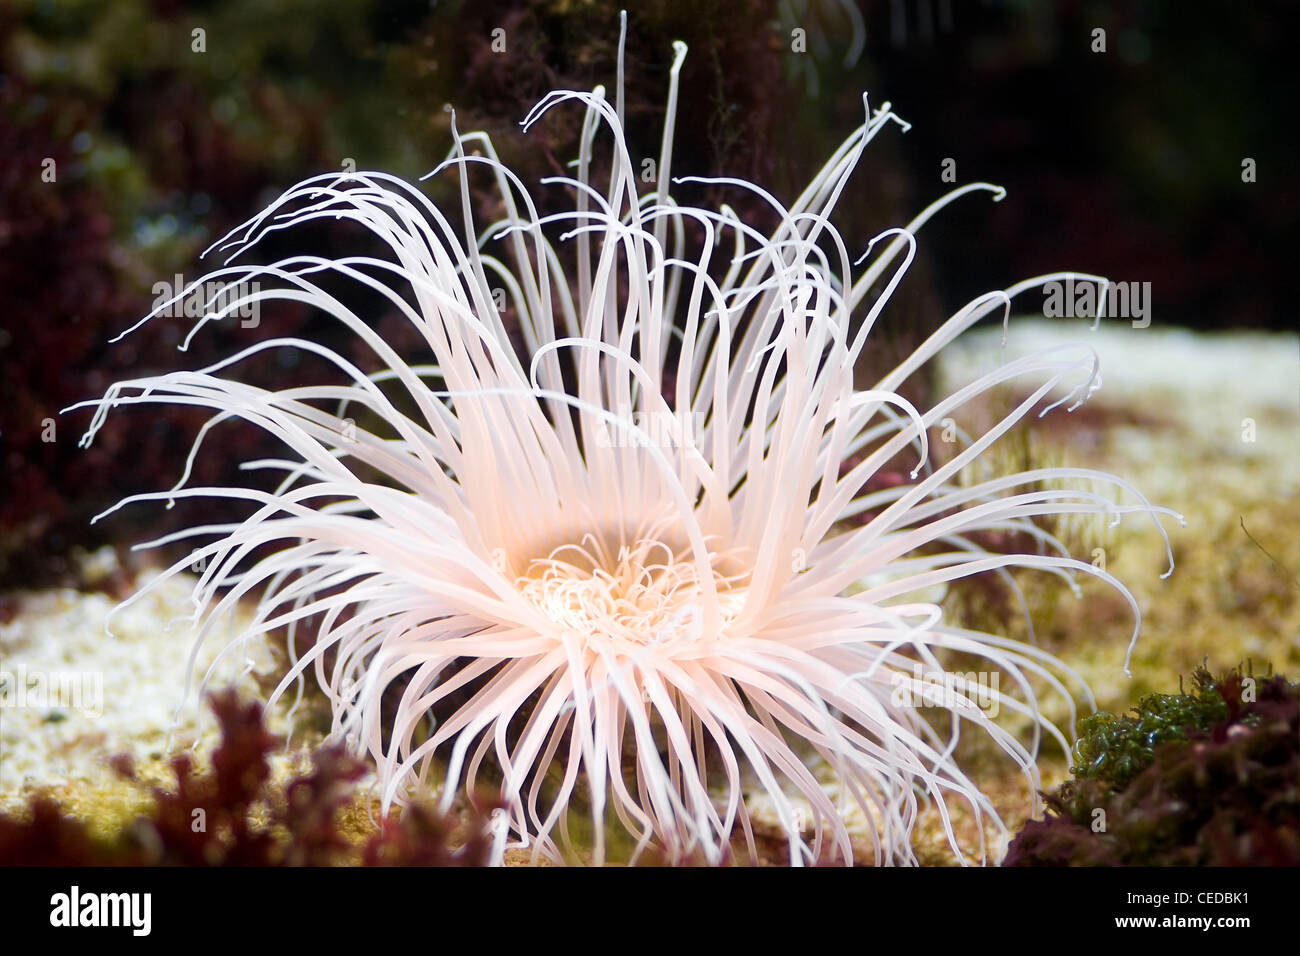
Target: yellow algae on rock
(74,696)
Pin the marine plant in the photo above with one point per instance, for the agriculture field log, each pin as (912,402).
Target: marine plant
(1206,778)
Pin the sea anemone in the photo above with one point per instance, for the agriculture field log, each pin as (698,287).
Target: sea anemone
(635,562)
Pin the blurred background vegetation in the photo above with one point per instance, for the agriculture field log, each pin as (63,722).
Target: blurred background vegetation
(169,122)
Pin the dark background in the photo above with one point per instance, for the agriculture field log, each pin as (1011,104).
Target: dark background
(1126,163)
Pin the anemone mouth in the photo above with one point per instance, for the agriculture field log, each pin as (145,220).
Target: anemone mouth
(633,595)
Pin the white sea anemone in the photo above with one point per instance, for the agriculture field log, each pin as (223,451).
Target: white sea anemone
(647,546)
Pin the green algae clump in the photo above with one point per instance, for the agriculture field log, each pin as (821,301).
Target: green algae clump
(1208,778)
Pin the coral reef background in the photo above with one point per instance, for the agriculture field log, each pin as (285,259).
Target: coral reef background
(168,122)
